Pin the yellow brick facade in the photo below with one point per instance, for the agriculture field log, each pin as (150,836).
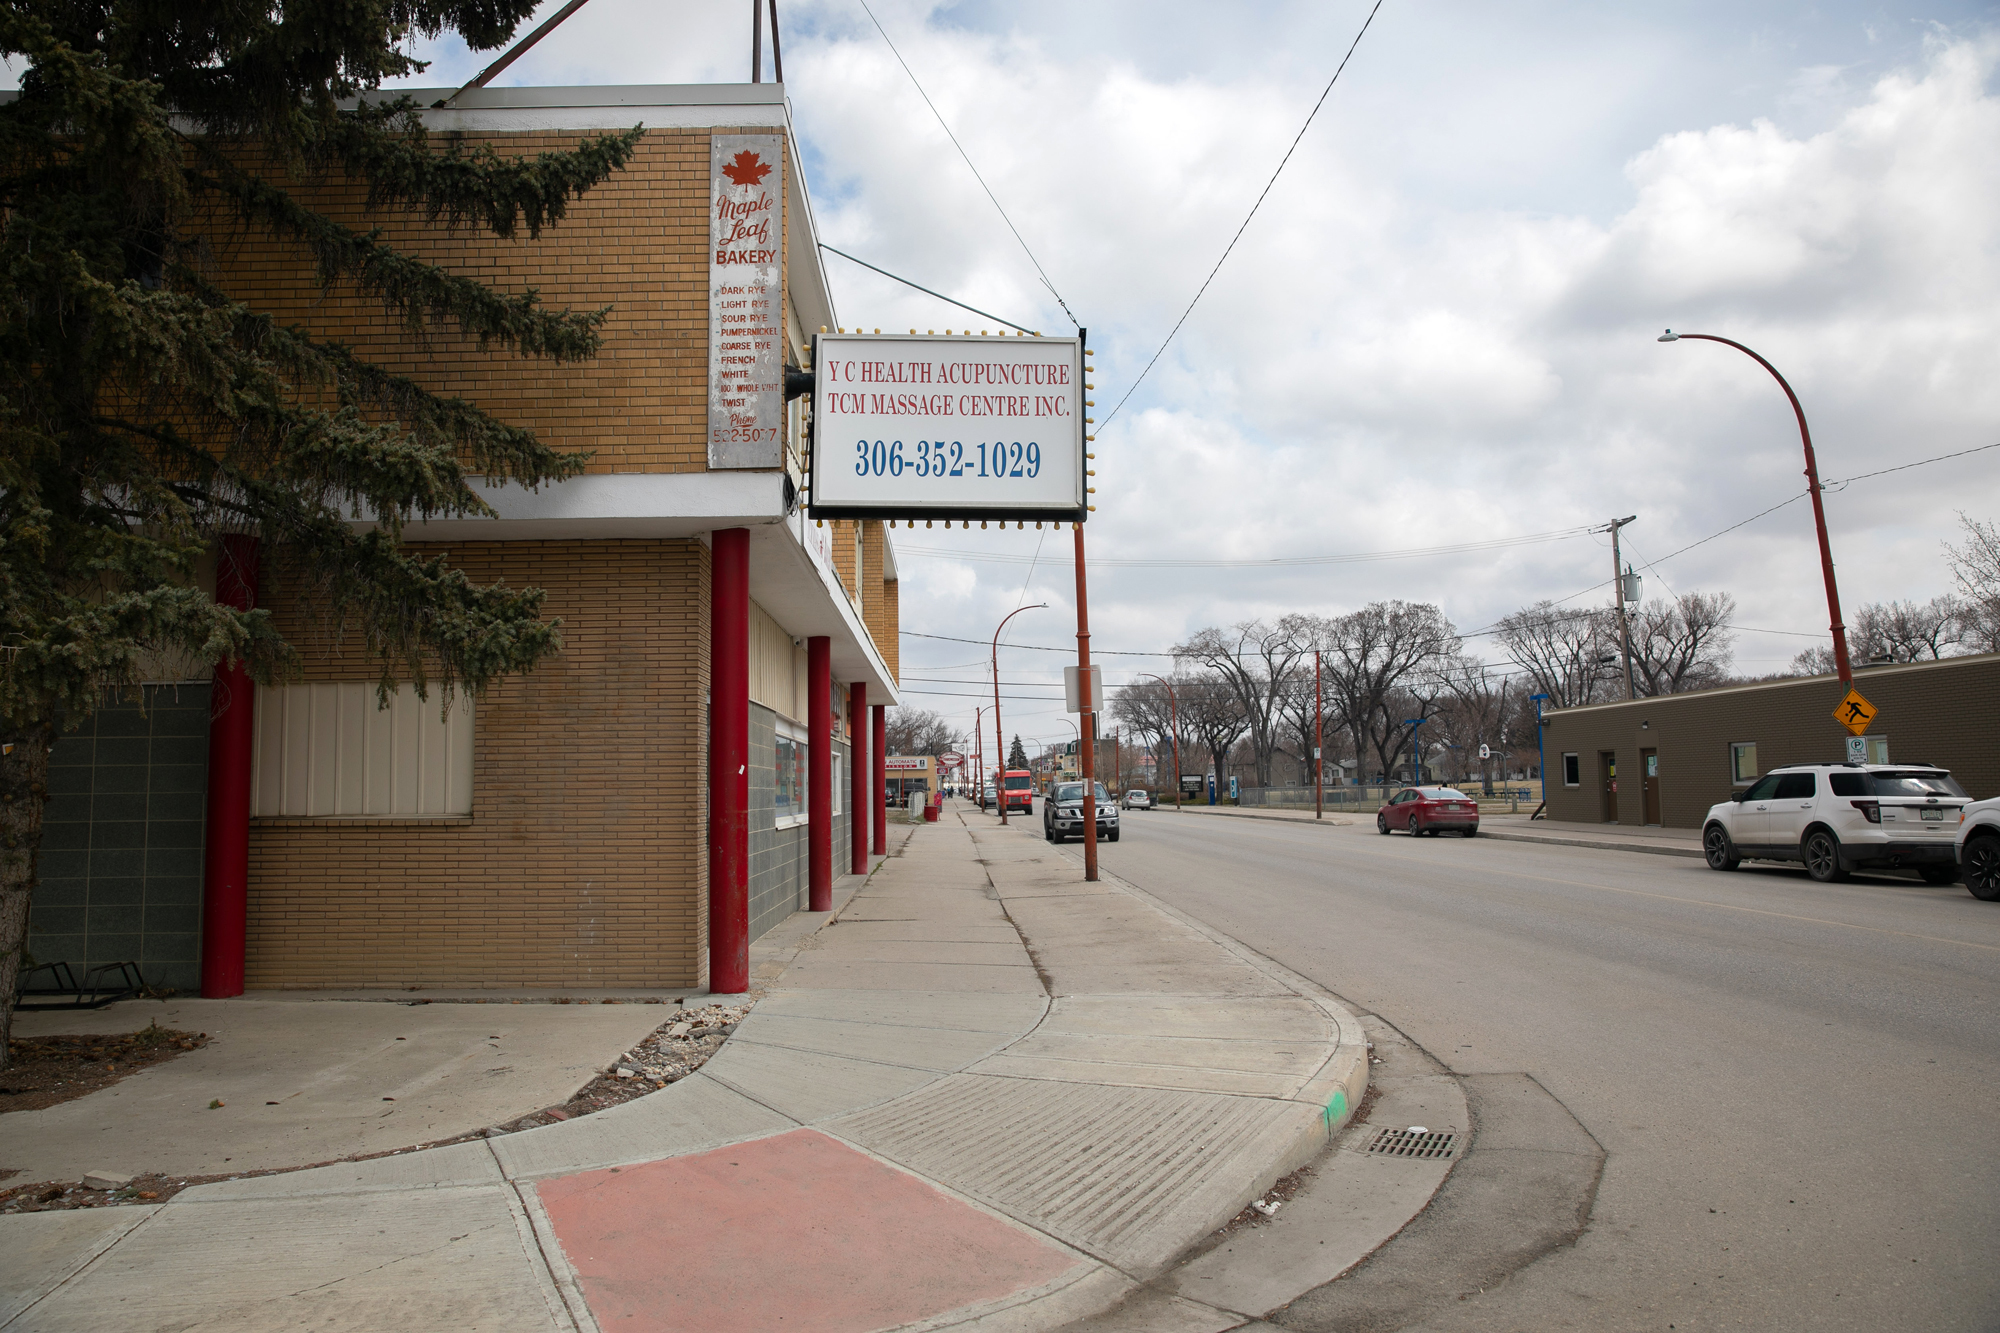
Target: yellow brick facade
(584,861)
(637,243)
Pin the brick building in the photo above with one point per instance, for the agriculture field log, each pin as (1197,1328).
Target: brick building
(1666,760)
(694,764)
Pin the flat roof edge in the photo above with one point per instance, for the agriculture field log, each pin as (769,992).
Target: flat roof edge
(606,94)
(1861,677)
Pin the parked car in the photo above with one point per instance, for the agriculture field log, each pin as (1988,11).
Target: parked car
(1062,813)
(1138,799)
(1431,810)
(986,797)
(1837,818)
(1978,847)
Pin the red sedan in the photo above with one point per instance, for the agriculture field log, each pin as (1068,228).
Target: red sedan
(1430,810)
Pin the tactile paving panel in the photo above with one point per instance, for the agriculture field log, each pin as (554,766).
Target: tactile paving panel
(1114,1171)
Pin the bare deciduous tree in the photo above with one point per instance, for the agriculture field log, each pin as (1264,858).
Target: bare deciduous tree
(1256,660)
(1373,654)
(1976,568)
(1477,711)
(1684,644)
(1213,715)
(1144,707)
(1895,632)
(1572,655)
(918,731)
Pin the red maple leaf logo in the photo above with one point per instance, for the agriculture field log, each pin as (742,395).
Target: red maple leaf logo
(747,169)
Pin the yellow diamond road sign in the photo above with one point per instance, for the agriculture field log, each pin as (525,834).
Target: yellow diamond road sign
(1854,712)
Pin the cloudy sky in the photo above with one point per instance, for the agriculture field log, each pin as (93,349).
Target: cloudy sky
(1440,328)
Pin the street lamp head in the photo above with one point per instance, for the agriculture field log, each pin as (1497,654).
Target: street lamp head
(1669,337)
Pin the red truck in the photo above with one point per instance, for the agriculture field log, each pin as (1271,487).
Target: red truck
(1017,792)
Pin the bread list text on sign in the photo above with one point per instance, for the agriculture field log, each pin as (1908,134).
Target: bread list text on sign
(746,389)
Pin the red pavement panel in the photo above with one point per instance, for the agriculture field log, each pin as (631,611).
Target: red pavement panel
(796,1231)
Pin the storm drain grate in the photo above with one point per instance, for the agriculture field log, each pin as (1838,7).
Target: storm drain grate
(1430,1143)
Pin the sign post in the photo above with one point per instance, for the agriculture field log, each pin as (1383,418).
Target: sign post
(958,428)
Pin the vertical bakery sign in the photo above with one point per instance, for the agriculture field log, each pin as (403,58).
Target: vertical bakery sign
(746,376)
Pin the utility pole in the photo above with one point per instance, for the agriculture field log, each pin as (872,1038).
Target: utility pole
(1618,589)
(1319,778)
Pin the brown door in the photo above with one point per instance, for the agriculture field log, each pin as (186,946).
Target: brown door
(1649,783)
(1607,764)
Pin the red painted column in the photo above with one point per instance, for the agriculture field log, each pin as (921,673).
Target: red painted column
(858,779)
(819,774)
(729,763)
(878,751)
(225,889)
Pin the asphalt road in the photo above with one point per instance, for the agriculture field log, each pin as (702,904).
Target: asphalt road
(1797,1085)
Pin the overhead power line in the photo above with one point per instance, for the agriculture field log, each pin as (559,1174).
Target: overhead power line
(968,162)
(1247,217)
(1438,550)
(1843,483)
(925,290)
(1071,650)
(1273,562)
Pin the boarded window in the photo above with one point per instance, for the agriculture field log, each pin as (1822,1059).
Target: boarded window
(327,750)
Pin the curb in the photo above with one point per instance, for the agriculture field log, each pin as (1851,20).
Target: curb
(1484,832)
(1596,846)
(1342,1081)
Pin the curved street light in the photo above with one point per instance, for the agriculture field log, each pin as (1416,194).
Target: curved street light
(999,737)
(1174,711)
(1812,483)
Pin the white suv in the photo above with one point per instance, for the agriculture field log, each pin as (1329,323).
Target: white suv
(1979,849)
(1842,817)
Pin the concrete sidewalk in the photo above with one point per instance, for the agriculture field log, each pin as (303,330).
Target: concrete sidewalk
(985,1095)
(1500,827)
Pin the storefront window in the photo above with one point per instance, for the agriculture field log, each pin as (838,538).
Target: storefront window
(1743,762)
(791,784)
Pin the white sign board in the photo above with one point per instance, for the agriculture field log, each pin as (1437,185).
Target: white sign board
(1073,699)
(746,330)
(948,427)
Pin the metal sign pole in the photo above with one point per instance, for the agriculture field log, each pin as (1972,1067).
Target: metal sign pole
(1086,733)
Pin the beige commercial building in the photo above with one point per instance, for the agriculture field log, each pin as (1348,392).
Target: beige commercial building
(558,831)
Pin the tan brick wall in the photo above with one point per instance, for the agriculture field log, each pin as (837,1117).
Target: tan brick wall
(887,640)
(637,243)
(584,862)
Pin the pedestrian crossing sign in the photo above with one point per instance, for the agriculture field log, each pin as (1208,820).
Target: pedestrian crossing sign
(1854,712)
